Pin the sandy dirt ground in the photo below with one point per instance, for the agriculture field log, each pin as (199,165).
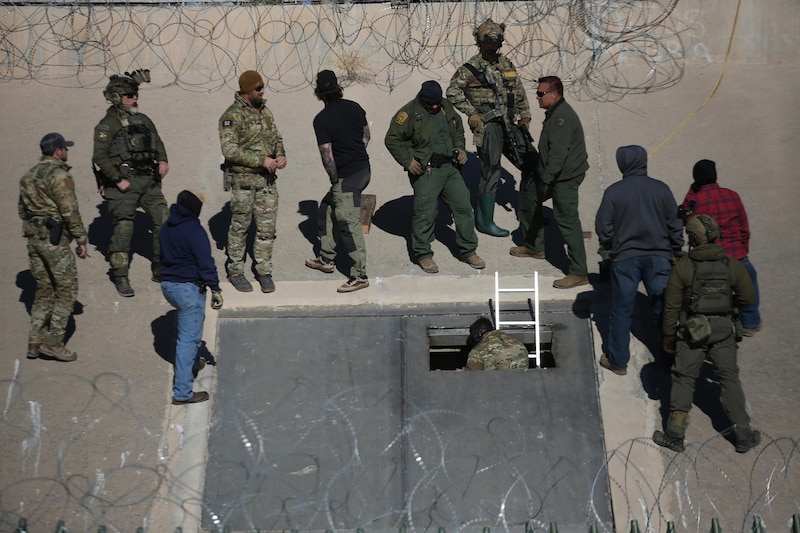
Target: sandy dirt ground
(91,438)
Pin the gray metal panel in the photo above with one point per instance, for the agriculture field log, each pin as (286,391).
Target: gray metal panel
(347,427)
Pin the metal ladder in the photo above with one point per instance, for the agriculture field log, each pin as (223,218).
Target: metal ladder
(498,323)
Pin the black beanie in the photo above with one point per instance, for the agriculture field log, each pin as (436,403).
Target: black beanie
(431,92)
(190,201)
(704,172)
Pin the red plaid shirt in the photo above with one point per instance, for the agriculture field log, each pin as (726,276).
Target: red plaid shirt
(727,209)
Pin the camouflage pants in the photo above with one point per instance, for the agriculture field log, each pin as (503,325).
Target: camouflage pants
(144,192)
(496,143)
(56,275)
(259,204)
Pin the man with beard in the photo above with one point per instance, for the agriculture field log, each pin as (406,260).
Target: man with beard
(253,150)
(130,161)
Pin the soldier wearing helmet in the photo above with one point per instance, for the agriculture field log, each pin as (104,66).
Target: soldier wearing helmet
(698,326)
(129,163)
(487,89)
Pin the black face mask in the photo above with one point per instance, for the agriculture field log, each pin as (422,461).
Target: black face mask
(429,107)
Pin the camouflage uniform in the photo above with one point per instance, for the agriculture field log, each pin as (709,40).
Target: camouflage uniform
(247,136)
(498,350)
(469,95)
(503,114)
(48,191)
(127,145)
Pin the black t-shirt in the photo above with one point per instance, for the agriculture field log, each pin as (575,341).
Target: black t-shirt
(341,123)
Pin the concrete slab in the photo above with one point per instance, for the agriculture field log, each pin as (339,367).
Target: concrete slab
(334,420)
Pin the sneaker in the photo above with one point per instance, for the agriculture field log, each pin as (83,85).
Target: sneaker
(33,350)
(605,363)
(428,265)
(321,264)
(123,286)
(240,282)
(749,332)
(267,285)
(570,281)
(59,353)
(474,261)
(197,397)
(155,271)
(662,439)
(749,444)
(524,251)
(354,284)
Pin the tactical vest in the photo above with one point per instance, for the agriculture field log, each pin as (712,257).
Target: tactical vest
(135,143)
(711,288)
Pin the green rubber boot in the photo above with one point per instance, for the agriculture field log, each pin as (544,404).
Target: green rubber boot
(484,217)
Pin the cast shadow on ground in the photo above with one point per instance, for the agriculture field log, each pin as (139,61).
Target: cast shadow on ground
(102,228)
(394,217)
(310,230)
(165,335)
(655,375)
(27,285)
(218,226)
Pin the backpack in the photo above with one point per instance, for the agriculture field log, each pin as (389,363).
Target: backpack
(711,288)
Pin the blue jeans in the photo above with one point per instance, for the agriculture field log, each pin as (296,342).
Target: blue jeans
(191,306)
(653,271)
(750,315)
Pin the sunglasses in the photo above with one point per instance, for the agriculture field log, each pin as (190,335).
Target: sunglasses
(131,95)
(259,88)
(540,94)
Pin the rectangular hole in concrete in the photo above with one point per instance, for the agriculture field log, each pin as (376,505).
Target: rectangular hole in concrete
(449,347)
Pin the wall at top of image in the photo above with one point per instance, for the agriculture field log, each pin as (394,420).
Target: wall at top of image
(604,49)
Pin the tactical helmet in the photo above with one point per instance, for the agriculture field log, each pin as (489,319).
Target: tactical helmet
(126,84)
(701,229)
(489,31)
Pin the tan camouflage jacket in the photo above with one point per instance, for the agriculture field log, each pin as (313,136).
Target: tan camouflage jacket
(248,135)
(498,350)
(47,190)
(468,94)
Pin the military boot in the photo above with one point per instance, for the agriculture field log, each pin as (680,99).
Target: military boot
(57,352)
(123,286)
(484,217)
(33,350)
(672,438)
(155,270)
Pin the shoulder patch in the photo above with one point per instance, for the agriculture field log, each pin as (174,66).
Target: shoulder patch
(560,121)
(227,123)
(102,135)
(401,117)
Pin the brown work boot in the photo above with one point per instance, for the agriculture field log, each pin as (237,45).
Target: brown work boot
(570,281)
(605,363)
(321,264)
(196,397)
(749,332)
(474,261)
(524,251)
(427,264)
(267,285)
(33,350)
(59,353)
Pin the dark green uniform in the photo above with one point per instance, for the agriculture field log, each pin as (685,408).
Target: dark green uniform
(127,145)
(415,133)
(563,163)
(47,191)
(720,350)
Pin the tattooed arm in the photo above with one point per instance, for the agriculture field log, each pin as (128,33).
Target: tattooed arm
(326,152)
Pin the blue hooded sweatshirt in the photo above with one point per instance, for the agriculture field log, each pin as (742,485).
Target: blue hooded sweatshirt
(638,214)
(186,251)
